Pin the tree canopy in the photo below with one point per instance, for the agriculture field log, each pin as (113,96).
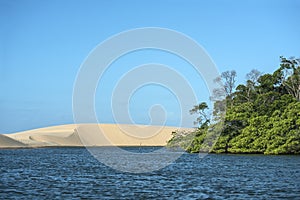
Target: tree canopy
(262,115)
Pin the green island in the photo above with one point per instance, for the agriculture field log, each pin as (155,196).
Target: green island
(260,116)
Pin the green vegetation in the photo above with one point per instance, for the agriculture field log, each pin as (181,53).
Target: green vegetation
(262,115)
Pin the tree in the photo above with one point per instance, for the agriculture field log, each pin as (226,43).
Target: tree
(227,82)
(289,76)
(253,76)
(251,83)
(229,79)
(266,83)
(260,116)
(202,118)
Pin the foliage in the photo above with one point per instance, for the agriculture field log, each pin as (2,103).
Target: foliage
(262,115)
(200,110)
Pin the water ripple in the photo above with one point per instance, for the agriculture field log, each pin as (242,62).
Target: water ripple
(72,173)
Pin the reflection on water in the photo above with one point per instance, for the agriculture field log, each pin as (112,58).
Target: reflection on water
(73,173)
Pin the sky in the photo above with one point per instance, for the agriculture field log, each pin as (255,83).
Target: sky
(44,43)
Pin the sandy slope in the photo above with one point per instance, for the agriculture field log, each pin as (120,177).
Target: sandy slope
(94,135)
(7,142)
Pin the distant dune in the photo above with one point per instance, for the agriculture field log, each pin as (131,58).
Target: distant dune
(7,142)
(90,135)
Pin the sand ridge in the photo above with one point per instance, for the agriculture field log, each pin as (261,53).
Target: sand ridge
(7,142)
(91,135)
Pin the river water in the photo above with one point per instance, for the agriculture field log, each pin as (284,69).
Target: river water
(73,173)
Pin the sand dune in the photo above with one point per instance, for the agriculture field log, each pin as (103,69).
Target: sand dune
(93,135)
(56,140)
(7,142)
(38,137)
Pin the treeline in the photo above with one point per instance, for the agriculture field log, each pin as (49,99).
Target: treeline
(260,116)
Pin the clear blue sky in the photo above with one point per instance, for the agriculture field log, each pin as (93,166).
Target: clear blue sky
(43,43)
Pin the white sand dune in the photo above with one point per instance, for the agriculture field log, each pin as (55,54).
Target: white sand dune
(38,137)
(95,135)
(7,142)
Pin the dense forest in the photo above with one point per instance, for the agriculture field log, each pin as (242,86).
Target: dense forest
(260,116)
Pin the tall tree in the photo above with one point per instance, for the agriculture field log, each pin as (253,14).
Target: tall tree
(202,118)
(253,76)
(248,91)
(227,82)
(229,79)
(289,76)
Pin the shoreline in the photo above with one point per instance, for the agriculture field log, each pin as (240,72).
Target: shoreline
(156,146)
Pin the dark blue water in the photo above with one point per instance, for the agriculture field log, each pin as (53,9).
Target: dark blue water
(72,173)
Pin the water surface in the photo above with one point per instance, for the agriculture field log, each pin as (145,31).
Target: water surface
(72,173)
